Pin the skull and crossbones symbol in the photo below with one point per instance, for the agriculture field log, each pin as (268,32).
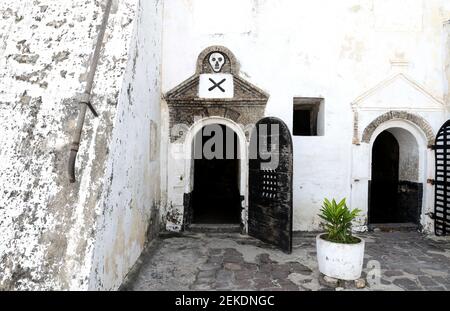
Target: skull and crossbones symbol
(216,60)
(217,84)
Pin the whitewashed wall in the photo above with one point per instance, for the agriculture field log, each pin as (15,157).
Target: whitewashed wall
(337,50)
(129,207)
(56,235)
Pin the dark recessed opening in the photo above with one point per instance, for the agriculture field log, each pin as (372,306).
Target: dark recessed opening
(384,184)
(302,123)
(308,117)
(392,200)
(216,196)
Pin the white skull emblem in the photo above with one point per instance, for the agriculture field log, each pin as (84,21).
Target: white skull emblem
(216,60)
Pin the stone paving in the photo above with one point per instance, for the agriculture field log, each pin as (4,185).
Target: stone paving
(393,261)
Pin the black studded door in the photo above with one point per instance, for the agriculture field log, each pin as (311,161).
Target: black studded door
(270,184)
(442,181)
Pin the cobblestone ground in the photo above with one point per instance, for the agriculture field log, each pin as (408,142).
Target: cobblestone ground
(393,261)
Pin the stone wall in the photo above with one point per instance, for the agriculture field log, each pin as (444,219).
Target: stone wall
(129,206)
(48,227)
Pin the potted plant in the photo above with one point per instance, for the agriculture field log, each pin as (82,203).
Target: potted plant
(339,253)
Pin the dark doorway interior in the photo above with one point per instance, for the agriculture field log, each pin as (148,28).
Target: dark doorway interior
(392,200)
(385,180)
(216,196)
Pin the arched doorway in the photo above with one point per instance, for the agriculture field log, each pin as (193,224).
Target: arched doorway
(395,193)
(385,166)
(216,195)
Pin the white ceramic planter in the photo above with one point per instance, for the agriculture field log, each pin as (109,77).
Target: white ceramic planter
(340,261)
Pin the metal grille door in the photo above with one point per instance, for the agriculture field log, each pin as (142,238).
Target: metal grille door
(442,181)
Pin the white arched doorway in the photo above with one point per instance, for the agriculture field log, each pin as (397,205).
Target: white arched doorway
(397,179)
(242,154)
(413,168)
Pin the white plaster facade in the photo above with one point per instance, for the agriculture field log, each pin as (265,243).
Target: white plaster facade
(368,56)
(365,58)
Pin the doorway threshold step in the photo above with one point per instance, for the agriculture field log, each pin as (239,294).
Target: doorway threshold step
(390,227)
(215,228)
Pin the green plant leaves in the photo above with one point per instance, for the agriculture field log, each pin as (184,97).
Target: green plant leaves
(338,221)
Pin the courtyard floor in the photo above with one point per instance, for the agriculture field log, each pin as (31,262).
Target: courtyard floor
(393,261)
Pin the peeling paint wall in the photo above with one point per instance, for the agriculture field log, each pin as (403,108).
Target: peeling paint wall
(48,226)
(336,50)
(129,206)
(56,235)
(408,155)
(446,52)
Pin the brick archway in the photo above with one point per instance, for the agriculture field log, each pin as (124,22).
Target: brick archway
(399,115)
